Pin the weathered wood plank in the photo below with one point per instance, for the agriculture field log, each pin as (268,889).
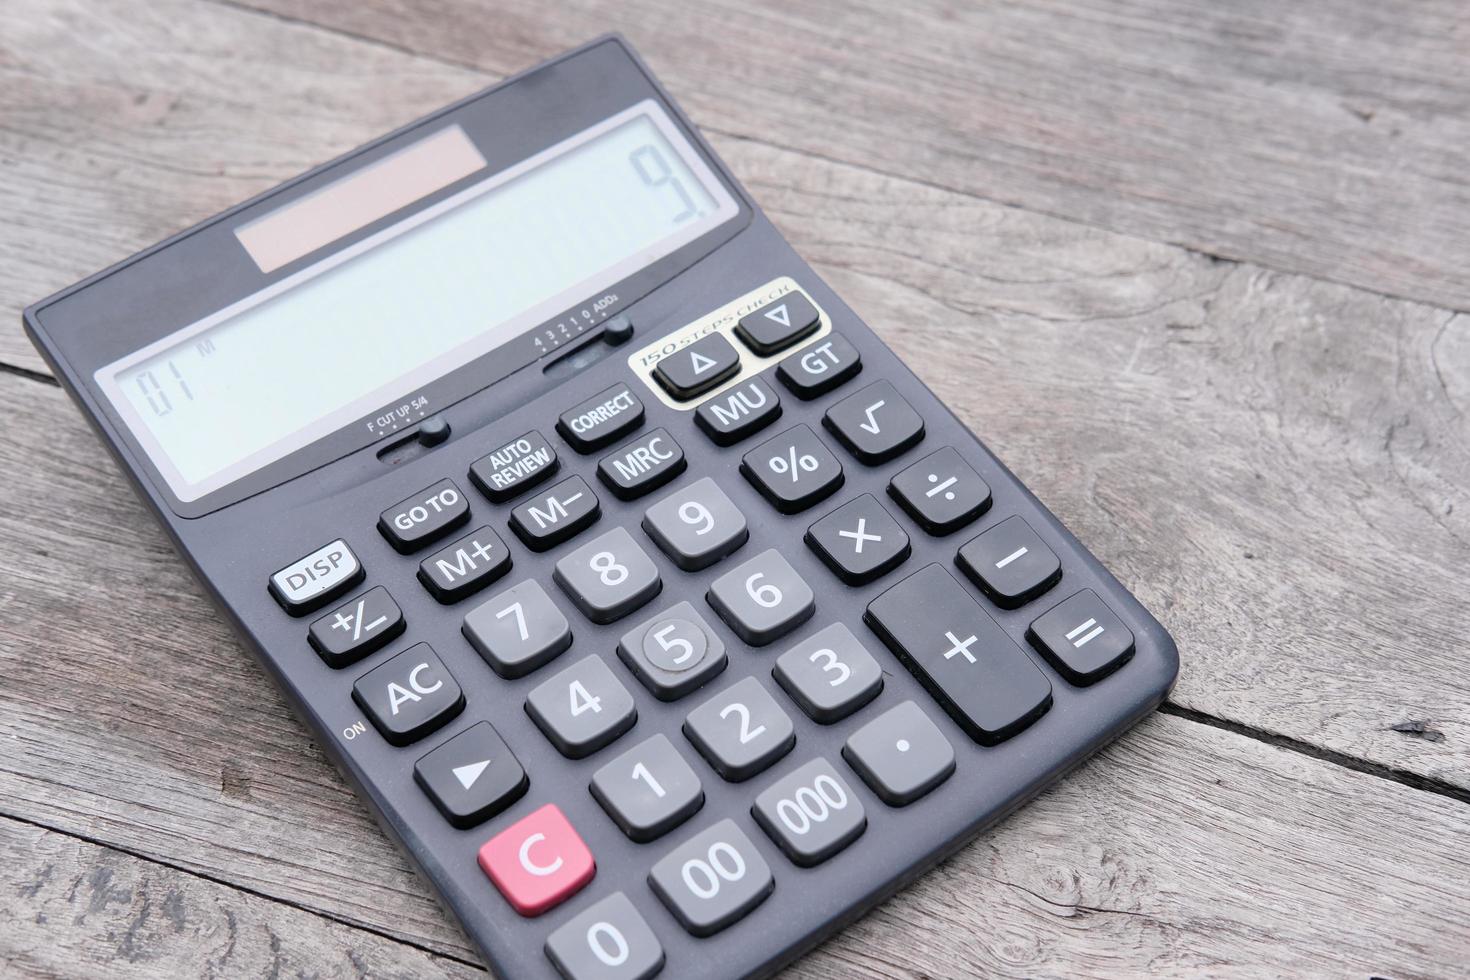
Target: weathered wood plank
(1331,420)
(1328,137)
(74,909)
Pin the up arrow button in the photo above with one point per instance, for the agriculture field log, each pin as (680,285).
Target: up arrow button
(702,365)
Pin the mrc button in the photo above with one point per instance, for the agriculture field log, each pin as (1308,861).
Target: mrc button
(431,513)
(643,465)
(516,466)
(315,580)
(601,419)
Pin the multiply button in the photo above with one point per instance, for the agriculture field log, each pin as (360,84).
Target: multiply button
(778,324)
(1082,638)
(554,515)
(601,419)
(431,513)
(859,541)
(515,467)
(699,367)
(315,580)
(409,696)
(538,862)
(357,628)
(975,670)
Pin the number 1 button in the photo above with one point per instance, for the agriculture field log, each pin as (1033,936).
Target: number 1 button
(538,862)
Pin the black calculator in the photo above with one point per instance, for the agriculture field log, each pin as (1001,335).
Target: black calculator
(654,607)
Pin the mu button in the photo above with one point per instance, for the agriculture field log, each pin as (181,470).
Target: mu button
(538,862)
(409,696)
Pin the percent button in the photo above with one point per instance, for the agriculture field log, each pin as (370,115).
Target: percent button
(793,470)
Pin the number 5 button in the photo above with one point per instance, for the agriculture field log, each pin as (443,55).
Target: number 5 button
(713,879)
(763,599)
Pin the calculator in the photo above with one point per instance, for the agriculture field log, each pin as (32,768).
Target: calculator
(657,611)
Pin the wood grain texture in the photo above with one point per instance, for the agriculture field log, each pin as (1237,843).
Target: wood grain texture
(1327,137)
(73,908)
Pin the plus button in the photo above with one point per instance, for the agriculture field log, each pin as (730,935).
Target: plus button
(961,647)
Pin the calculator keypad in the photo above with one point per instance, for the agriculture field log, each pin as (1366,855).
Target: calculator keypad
(763,599)
(742,411)
(1010,563)
(582,708)
(609,576)
(538,862)
(426,516)
(471,777)
(875,424)
(941,492)
(901,754)
(466,566)
(859,541)
(712,880)
(649,789)
(817,369)
(1082,638)
(673,653)
(974,669)
(793,470)
(357,628)
(518,630)
(704,364)
(830,674)
(608,941)
(741,730)
(554,515)
(409,695)
(641,466)
(811,813)
(696,526)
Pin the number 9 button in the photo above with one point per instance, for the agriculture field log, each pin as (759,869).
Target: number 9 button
(697,526)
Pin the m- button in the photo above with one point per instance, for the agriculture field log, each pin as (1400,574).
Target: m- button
(538,862)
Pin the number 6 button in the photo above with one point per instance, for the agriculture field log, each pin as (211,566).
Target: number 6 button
(609,941)
(763,599)
(713,879)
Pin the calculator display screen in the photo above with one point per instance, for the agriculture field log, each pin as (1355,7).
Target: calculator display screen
(474,273)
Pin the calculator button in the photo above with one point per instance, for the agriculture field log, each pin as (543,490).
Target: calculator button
(673,653)
(582,708)
(741,730)
(819,368)
(875,424)
(514,468)
(649,789)
(429,514)
(601,419)
(471,777)
(713,879)
(538,862)
(941,492)
(315,580)
(554,515)
(699,367)
(974,669)
(742,411)
(901,754)
(778,324)
(1010,563)
(793,470)
(830,674)
(1082,638)
(763,599)
(357,628)
(609,576)
(696,526)
(811,813)
(608,941)
(859,541)
(518,630)
(409,696)
(466,566)
(641,466)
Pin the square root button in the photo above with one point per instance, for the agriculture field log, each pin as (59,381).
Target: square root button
(538,862)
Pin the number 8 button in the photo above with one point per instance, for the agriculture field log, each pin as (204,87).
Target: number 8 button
(609,576)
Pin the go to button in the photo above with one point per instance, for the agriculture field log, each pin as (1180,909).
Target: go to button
(538,862)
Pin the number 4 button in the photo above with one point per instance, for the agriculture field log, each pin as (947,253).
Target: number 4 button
(582,708)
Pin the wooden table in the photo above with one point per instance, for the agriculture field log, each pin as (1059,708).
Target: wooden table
(1194,269)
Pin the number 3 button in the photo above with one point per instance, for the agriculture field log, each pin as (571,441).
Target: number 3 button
(830,674)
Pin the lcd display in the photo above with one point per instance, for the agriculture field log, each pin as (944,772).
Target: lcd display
(373,322)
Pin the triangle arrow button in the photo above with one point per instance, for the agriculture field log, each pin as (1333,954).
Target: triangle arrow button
(700,363)
(780,315)
(468,774)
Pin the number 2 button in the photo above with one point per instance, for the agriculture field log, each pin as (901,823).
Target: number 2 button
(763,599)
(741,730)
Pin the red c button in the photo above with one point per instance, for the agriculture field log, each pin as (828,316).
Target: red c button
(538,862)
